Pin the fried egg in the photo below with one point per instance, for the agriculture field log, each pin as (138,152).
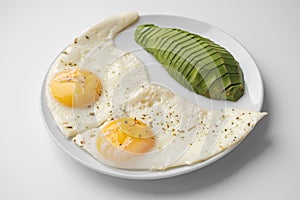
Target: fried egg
(84,80)
(160,130)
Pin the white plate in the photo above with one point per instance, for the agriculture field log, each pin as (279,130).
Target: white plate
(252,99)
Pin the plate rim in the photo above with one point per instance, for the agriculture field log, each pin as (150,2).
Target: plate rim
(151,175)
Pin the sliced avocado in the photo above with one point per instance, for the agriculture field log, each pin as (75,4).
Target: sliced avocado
(196,62)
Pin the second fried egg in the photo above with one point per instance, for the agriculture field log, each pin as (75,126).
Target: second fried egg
(160,130)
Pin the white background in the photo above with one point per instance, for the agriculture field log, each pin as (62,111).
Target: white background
(265,166)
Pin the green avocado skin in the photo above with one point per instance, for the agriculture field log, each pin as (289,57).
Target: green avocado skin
(194,61)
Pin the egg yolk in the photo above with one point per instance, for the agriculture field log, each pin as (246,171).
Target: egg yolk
(128,134)
(75,88)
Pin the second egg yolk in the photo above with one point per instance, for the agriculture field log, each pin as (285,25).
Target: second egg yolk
(128,134)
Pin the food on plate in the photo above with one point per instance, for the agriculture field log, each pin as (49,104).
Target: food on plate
(91,77)
(102,98)
(196,62)
(162,130)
